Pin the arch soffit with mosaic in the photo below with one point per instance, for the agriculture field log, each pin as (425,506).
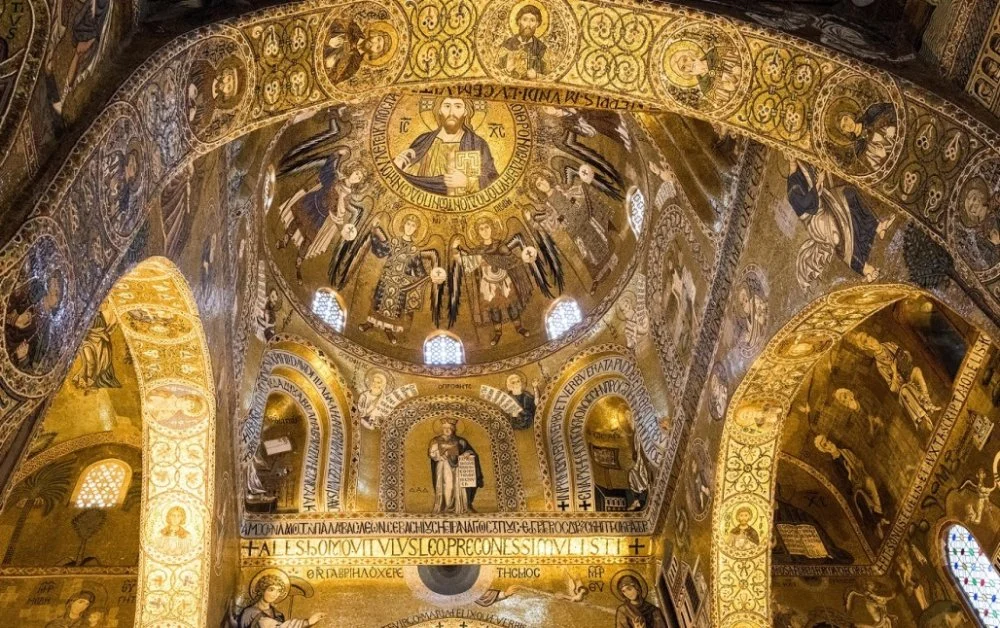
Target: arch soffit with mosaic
(178,438)
(506,466)
(292,366)
(749,449)
(564,406)
(936,151)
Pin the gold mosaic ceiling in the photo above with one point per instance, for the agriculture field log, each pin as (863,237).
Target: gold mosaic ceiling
(393,221)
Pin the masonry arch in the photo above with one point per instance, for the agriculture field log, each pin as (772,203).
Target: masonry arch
(751,439)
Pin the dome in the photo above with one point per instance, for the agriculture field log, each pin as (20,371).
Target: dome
(424,213)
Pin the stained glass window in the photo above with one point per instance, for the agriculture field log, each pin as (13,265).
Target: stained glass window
(328,306)
(562,317)
(974,574)
(102,484)
(443,349)
(637,211)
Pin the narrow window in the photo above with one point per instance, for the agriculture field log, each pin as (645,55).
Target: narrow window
(102,484)
(443,349)
(562,317)
(637,210)
(328,305)
(975,575)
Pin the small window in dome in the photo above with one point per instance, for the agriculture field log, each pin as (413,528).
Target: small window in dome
(637,210)
(443,349)
(102,484)
(562,317)
(328,305)
(974,574)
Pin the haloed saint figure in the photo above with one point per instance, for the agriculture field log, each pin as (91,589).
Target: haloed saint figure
(455,470)
(451,160)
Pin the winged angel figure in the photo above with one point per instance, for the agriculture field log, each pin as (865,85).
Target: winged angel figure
(496,275)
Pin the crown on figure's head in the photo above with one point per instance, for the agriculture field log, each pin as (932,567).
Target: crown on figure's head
(451,422)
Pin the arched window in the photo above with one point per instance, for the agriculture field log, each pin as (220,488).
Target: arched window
(103,484)
(562,317)
(443,349)
(637,210)
(328,305)
(974,574)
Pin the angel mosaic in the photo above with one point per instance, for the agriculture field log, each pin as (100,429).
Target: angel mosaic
(269,588)
(316,216)
(838,222)
(496,276)
(410,267)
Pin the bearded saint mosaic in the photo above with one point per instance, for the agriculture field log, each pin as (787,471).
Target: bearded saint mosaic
(465,215)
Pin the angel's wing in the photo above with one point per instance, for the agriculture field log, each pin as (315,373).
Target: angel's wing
(310,153)
(437,290)
(537,267)
(347,256)
(455,277)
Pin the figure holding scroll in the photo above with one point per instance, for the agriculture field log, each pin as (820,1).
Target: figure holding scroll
(455,470)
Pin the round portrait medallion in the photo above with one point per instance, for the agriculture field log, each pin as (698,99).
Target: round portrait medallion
(361,47)
(703,67)
(527,39)
(859,124)
(218,88)
(450,154)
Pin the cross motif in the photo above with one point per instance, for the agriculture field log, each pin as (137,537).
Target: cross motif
(563,505)
(585,505)
(636,546)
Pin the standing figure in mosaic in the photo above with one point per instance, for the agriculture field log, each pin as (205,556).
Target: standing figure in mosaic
(522,55)
(455,470)
(451,160)
(313,218)
(588,220)
(498,280)
(96,368)
(406,273)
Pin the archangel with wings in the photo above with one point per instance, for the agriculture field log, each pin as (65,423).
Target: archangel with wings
(496,278)
(410,266)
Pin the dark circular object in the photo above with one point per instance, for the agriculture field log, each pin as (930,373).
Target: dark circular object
(448,579)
